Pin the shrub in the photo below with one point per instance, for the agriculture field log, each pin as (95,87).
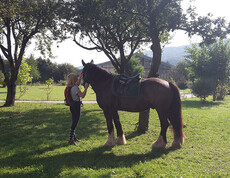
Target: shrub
(203,88)
(62,82)
(49,88)
(220,92)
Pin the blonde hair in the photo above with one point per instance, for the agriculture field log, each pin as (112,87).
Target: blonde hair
(71,80)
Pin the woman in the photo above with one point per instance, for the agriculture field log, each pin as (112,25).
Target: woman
(74,81)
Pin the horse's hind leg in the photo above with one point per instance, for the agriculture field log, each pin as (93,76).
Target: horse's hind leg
(120,135)
(111,138)
(161,142)
(178,132)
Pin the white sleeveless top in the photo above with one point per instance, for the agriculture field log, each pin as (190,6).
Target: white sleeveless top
(74,90)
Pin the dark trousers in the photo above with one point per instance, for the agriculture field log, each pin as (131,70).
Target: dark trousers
(76,113)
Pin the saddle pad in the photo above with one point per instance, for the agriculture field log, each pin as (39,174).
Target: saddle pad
(128,87)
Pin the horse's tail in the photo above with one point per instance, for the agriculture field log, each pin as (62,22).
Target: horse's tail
(175,116)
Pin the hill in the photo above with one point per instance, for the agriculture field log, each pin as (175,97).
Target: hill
(171,55)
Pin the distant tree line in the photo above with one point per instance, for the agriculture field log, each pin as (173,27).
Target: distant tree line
(44,69)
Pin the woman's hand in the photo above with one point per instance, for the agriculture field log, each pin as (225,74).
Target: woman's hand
(86,85)
(81,75)
(82,94)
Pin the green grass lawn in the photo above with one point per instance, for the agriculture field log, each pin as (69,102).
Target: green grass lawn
(33,143)
(39,93)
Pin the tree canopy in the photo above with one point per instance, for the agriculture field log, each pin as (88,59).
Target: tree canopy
(119,28)
(109,27)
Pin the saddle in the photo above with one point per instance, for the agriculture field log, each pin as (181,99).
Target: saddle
(125,86)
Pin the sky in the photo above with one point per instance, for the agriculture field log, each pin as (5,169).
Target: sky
(69,52)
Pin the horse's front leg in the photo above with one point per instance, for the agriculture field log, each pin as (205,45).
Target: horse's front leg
(120,135)
(111,138)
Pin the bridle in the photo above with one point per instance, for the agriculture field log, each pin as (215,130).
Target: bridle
(85,74)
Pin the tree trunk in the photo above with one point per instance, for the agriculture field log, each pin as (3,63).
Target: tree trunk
(143,121)
(11,92)
(156,61)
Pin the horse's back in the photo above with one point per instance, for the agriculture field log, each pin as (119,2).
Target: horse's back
(155,83)
(154,93)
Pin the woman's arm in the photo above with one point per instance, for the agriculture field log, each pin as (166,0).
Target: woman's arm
(82,94)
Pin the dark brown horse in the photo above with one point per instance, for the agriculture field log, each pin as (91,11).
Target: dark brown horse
(154,93)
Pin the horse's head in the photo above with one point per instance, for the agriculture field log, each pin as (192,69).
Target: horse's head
(85,71)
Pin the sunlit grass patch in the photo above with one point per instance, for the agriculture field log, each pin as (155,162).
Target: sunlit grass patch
(39,93)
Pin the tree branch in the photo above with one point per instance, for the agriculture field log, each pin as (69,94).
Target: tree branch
(4,51)
(93,48)
(133,49)
(15,41)
(24,43)
(9,56)
(3,69)
(113,59)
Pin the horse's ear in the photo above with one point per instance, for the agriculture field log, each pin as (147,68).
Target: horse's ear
(83,63)
(92,62)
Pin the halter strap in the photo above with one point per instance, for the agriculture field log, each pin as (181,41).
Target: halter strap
(85,75)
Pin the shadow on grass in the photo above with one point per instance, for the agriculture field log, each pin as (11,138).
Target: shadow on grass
(30,139)
(96,159)
(132,135)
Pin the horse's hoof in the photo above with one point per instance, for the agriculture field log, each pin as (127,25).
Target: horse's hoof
(109,144)
(177,143)
(159,143)
(121,140)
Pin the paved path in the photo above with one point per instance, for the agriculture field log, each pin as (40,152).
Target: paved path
(186,95)
(35,101)
(183,95)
